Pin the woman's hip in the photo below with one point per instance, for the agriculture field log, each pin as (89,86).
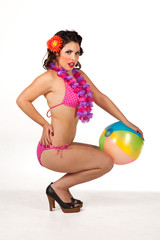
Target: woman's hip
(41,148)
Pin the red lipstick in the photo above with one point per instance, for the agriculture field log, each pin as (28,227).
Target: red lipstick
(71,64)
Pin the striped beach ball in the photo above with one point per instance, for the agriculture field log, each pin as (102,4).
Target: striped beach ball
(122,143)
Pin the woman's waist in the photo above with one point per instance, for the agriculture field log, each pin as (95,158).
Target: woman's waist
(63,119)
(64,132)
(64,127)
(63,137)
(61,142)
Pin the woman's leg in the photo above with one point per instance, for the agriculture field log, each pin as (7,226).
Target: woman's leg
(85,145)
(82,162)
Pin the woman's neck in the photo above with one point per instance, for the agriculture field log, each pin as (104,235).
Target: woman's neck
(69,72)
(60,67)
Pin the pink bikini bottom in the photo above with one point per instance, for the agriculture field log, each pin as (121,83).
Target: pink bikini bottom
(41,148)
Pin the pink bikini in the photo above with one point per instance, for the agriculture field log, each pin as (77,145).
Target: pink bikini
(77,94)
(70,99)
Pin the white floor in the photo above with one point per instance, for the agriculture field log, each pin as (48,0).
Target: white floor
(106,215)
(25,215)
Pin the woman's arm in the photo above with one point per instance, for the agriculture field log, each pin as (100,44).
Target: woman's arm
(28,108)
(105,103)
(40,86)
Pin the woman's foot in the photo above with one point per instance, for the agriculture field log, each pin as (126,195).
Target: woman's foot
(64,194)
(65,207)
(79,202)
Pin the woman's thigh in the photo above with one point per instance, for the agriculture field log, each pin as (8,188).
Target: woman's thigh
(78,157)
(85,145)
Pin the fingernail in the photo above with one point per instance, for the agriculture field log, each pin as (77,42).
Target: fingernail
(137,131)
(52,134)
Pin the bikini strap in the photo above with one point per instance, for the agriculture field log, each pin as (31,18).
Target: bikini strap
(51,108)
(57,104)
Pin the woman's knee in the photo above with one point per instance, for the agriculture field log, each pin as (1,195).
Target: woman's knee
(106,163)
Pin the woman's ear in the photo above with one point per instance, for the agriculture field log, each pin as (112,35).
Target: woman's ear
(57,57)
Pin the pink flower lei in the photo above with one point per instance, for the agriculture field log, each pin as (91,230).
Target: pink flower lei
(82,90)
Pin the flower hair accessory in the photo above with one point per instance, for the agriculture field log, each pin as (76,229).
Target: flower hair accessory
(55,44)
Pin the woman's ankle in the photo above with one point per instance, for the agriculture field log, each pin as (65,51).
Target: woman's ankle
(57,185)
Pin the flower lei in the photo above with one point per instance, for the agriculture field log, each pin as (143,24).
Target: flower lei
(82,90)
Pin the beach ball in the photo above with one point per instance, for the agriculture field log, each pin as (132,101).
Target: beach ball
(122,143)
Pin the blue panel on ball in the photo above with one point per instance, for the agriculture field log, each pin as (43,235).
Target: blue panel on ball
(119,126)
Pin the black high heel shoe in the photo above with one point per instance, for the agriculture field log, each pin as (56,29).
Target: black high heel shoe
(75,201)
(66,207)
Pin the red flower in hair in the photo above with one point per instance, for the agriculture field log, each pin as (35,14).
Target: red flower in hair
(55,43)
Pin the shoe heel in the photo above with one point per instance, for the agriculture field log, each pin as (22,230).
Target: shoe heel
(51,203)
(65,207)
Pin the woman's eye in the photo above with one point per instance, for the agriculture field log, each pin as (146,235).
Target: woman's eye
(69,52)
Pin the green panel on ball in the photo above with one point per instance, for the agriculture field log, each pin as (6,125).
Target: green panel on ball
(129,142)
(101,142)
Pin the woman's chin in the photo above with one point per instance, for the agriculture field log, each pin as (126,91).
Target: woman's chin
(69,68)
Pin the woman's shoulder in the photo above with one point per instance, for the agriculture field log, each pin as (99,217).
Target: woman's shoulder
(94,89)
(83,74)
(44,81)
(48,78)
(48,75)
(80,71)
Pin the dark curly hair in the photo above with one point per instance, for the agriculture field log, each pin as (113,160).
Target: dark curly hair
(67,36)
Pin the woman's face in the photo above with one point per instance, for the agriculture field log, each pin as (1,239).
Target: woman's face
(69,56)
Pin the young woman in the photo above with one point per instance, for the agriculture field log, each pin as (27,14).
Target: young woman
(69,94)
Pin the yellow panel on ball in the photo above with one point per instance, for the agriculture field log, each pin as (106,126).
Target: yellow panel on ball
(115,152)
(121,142)
(128,142)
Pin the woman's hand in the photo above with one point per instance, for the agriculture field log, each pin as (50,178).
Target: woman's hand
(46,135)
(135,128)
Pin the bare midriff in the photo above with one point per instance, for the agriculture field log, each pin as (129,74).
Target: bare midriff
(64,122)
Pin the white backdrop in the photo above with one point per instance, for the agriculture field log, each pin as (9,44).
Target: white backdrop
(121,56)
